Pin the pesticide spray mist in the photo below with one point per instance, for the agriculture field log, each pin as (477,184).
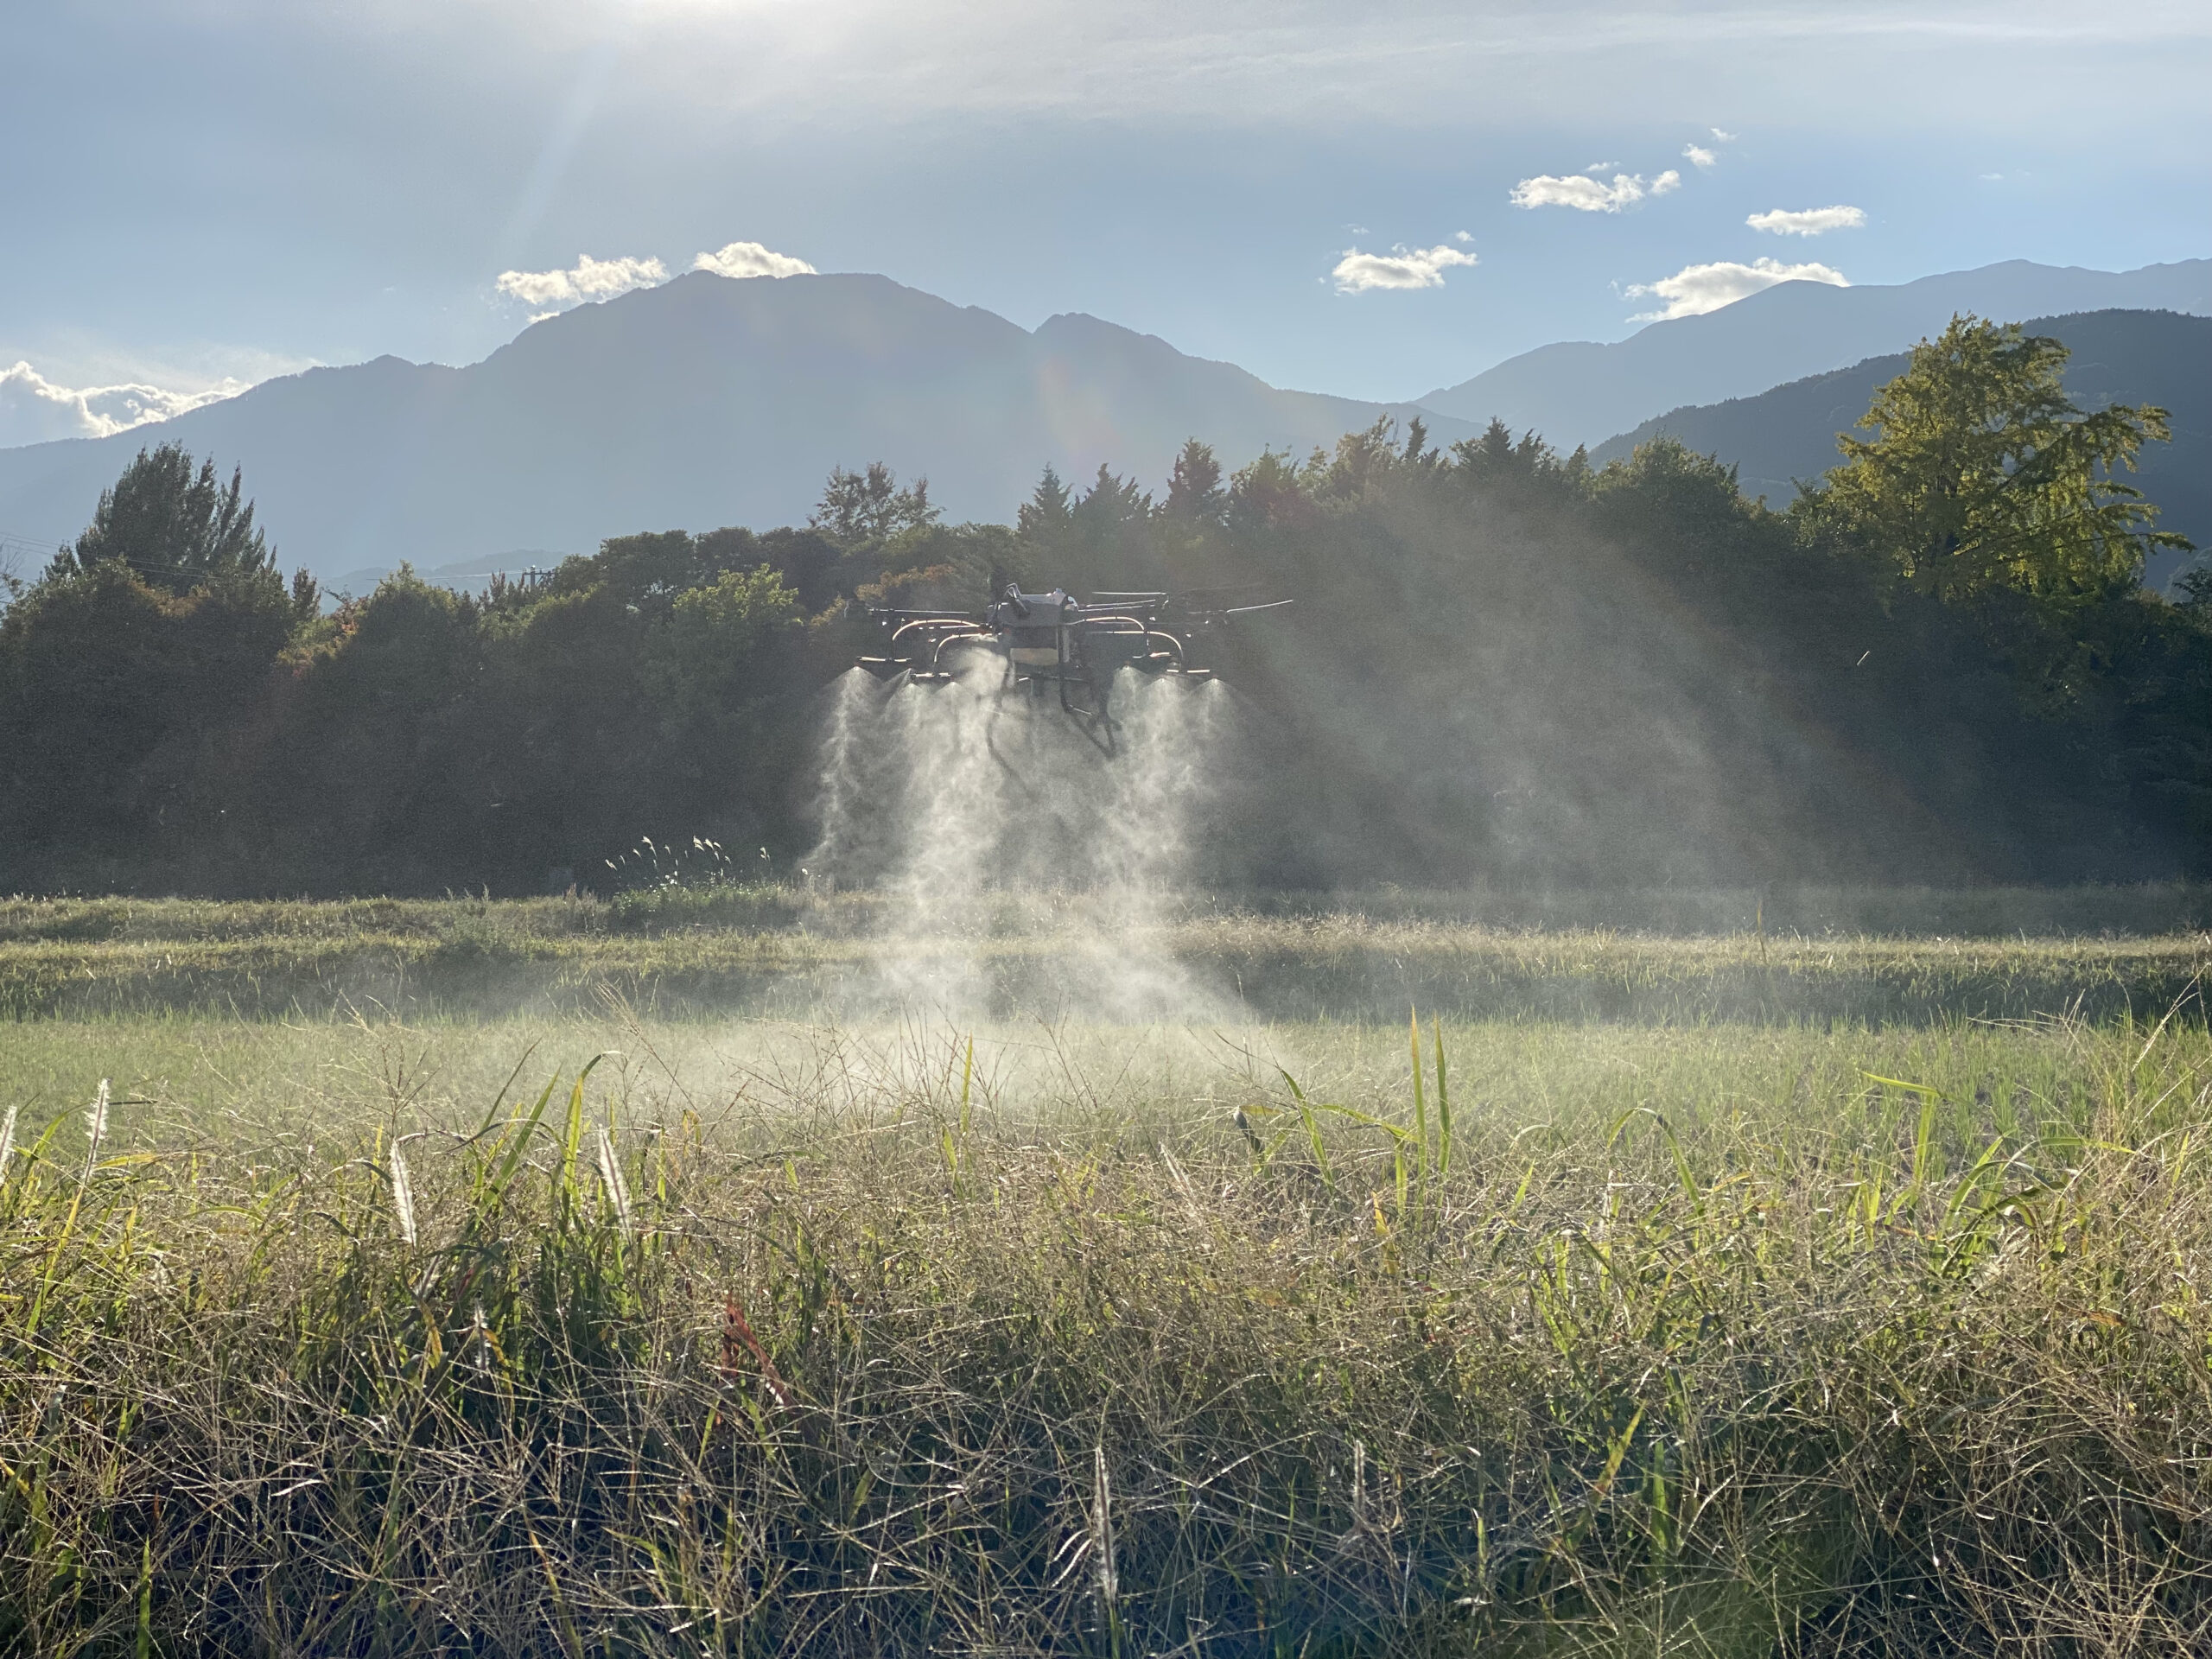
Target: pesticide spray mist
(1024,866)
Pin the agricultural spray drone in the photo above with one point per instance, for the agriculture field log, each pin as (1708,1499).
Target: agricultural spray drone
(1056,640)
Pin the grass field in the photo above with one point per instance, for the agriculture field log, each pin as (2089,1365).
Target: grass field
(645,1289)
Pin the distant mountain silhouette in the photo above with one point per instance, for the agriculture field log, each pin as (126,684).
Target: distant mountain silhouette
(1581,392)
(2120,356)
(701,403)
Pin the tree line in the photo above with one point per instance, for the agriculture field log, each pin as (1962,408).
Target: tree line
(1937,664)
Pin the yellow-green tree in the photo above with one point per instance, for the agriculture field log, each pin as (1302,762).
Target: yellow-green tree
(1982,476)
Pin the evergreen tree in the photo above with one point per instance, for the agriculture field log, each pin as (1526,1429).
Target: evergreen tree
(1045,516)
(1110,507)
(1266,494)
(1418,453)
(177,529)
(1194,491)
(1363,461)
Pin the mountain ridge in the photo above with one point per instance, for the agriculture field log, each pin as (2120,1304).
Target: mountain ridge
(1583,392)
(704,401)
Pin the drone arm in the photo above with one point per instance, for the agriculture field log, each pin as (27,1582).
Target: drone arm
(938,623)
(967,636)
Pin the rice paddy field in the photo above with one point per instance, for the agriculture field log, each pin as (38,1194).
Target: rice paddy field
(717,1273)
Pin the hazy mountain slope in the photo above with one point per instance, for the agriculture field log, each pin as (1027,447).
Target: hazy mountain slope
(2120,356)
(1581,392)
(701,403)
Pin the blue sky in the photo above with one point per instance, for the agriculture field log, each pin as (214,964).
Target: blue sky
(203,194)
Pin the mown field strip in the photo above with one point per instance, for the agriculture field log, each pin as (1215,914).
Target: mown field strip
(307,959)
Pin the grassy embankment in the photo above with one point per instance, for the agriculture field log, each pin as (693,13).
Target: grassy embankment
(1738,1339)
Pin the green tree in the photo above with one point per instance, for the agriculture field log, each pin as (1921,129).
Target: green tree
(1044,515)
(129,669)
(1194,491)
(1365,462)
(115,696)
(175,527)
(718,656)
(1267,495)
(869,506)
(1418,454)
(1523,470)
(1982,477)
(1111,507)
(1044,525)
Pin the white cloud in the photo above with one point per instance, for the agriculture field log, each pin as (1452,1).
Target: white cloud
(1591,195)
(554,291)
(1725,137)
(1402,267)
(751,259)
(34,409)
(1695,290)
(590,279)
(1461,235)
(1699,156)
(1810,221)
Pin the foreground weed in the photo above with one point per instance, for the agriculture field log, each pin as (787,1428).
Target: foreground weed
(893,1374)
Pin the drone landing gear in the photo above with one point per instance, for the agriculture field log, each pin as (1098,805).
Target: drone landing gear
(1081,699)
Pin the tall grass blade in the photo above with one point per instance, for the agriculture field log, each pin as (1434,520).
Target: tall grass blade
(145,1643)
(611,1178)
(1101,1524)
(95,1132)
(403,1194)
(1420,1104)
(1312,1132)
(95,1129)
(1443,1105)
(572,1137)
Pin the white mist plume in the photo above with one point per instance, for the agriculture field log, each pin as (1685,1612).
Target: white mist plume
(956,801)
